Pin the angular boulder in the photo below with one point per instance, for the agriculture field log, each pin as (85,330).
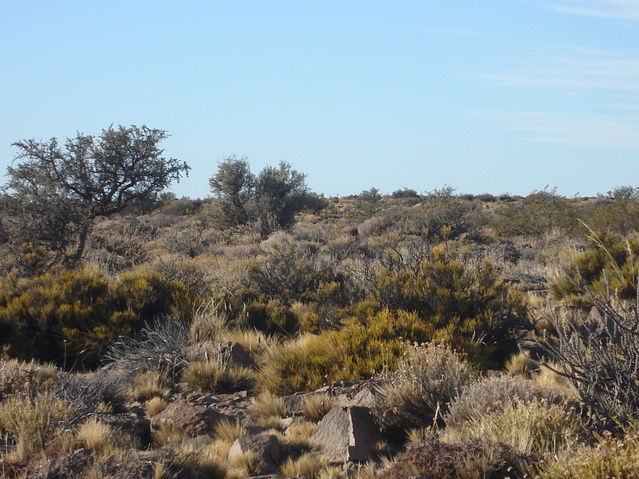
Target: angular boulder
(348,434)
(266,447)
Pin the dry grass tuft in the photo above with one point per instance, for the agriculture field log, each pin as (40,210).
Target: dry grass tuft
(521,364)
(267,410)
(246,464)
(195,460)
(307,465)
(298,434)
(26,378)
(229,430)
(422,387)
(256,343)
(611,457)
(108,444)
(317,405)
(156,405)
(216,372)
(148,385)
(535,427)
(31,421)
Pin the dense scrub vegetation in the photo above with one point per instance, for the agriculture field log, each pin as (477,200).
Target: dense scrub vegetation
(502,328)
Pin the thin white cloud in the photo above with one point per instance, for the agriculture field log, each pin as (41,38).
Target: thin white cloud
(624,9)
(571,69)
(575,129)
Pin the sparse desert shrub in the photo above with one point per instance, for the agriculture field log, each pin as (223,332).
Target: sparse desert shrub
(537,214)
(472,459)
(610,457)
(600,353)
(89,392)
(158,346)
(493,394)
(427,379)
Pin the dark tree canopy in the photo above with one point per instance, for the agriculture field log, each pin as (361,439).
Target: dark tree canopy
(280,193)
(233,186)
(273,198)
(55,191)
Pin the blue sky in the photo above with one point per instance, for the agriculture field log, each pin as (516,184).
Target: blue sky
(503,96)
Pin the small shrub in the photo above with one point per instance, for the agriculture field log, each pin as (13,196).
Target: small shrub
(467,460)
(90,392)
(427,379)
(369,343)
(492,395)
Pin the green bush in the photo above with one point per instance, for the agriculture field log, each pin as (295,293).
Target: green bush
(427,379)
(69,316)
(537,214)
(463,304)
(609,267)
(363,347)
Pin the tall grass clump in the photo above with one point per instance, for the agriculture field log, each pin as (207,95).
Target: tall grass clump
(31,421)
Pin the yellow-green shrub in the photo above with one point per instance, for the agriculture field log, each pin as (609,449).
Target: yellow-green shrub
(68,316)
(363,347)
(462,304)
(610,265)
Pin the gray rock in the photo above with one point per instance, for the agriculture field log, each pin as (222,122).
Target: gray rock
(348,434)
(193,420)
(367,397)
(266,446)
